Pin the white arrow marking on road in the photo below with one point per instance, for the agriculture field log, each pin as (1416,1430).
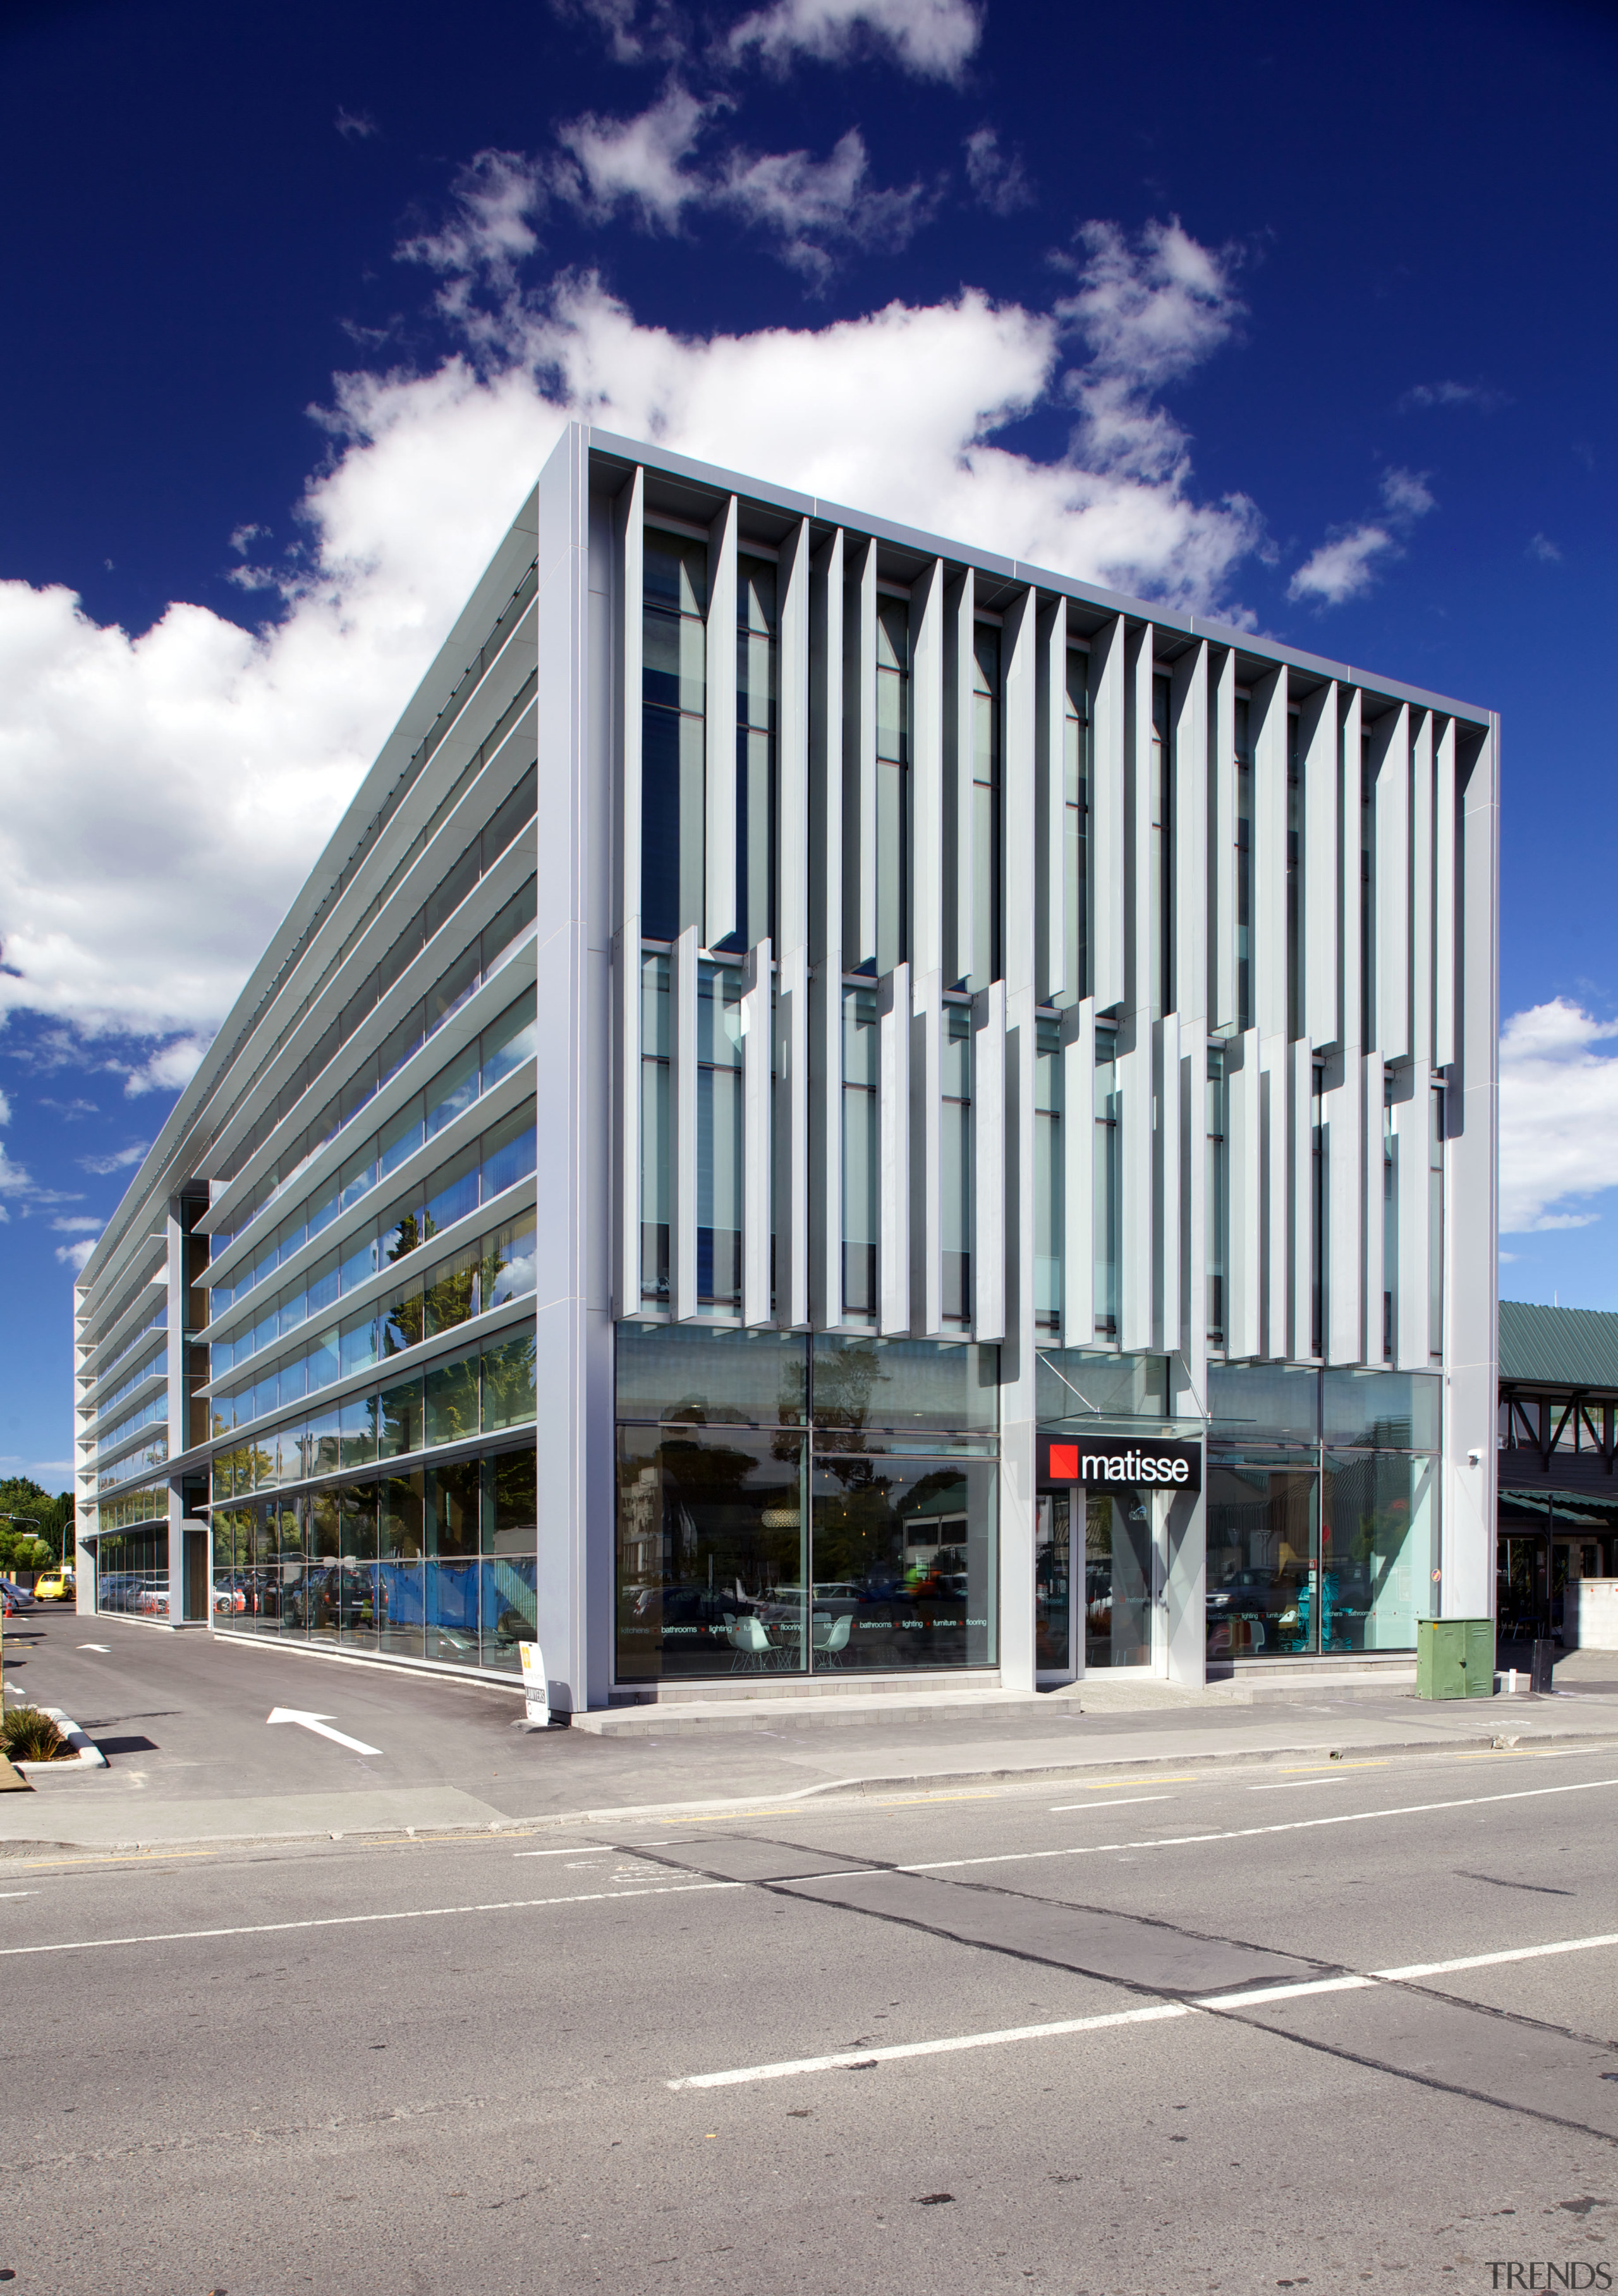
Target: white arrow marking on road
(105,1648)
(322,1724)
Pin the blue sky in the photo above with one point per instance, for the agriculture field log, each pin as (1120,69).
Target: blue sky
(1303,315)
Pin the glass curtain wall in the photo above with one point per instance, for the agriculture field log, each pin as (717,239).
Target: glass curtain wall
(1322,1509)
(755,750)
(1106,1182)
(673,735)
(985,805)
(1076,824)
(892,782)
(1047,1175)
(956,1164)
(788,1505)
(438,1563)
(719,1137)
(656,1191)
(861,1170)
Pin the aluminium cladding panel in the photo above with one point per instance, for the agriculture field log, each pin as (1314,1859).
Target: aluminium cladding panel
(685,972)
(927,617)
(1050,802)
(993,1202)
(1390,765)
(1471,1272)
(893,1151)
(1268,732)
(1107,799)
(960,621)
(1078,1174)
(1168,1184)
(1412,1121)
(858,609)
(826,578)
(627,636)
(1189,721)
(1421,886)
(1344,1114)
(795,937)
(1137,1160)
(1445,907)
(1301,1083)
(1141,924)
(1193,1342)
(1244,1160)
(573,1330)
(1319,765)
(1222,980)
(927,1156)
(720,779)
(756,1307)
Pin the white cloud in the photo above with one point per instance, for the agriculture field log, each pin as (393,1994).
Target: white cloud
(999,182)
(74,1255)
(1150,310)
(488,231)
(1545,550)
(83,1226)
(170,1068)
(204,754)
(1481,396)
(1347,564)
(118,1161)
(657,33)
(933,39)
(5,1109)
(1558,1115)
(355,126)
(648,166)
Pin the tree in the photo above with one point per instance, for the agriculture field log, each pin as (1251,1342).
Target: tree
(53,1515)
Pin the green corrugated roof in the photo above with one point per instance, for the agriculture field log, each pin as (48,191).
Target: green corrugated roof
(1570,1347)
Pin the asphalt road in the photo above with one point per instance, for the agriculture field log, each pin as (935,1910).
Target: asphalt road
(489,2065)
(183,1719)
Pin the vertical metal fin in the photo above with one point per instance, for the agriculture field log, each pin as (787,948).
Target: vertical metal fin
(926,1156)
(1391,762)
(1107,814)
(893,1136)
(1344,1117)
(960,614)
(1374,1283)
(1412,1118)
(927,770)
(720,866)
(1421,886)
(1050,802)
(1244,1162)
(1078,1174)
(826,935)
(1166,1242)
(1443,901)
(1302,1096)
(628,527)
(757,998)
(1189,814)
(1222,833)
(1136,1168)
(683,971)
(988,1188)
(1318,886)
(860,756)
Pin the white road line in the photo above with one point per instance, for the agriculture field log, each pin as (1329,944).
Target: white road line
(360,1921)
(1123,1804)
(1286,1785)
(1249,1832)
(104,1648)
(594,1849)
(1154,2015)
(1489,1960)
(1263,1993)
(1256,1996)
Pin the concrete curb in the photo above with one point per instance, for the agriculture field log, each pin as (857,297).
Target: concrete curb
(87,1756)
(924,1784)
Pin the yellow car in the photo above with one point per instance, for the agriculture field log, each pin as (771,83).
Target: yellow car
(55,1587)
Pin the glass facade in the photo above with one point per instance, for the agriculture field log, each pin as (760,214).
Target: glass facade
(793,1506)
(437,1562)
(1322,1509)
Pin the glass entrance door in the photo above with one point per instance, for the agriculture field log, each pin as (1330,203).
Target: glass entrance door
(1118,1579)
(1054,1657)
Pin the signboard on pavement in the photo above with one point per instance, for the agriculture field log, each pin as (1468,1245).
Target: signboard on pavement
(536,1689)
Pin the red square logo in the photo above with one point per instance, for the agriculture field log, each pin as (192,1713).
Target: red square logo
(1065,1463)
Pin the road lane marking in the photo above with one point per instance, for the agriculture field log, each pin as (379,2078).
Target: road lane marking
(1250,1833)
(1257,1994)
(1124,1804)
(321,1724)
(1155,2014)
(104,1648)
(1110,1785)
(1251,1998)
(1287,1784)
(592,1849)
(1489,1960)
(1330,1769)
(361,1920)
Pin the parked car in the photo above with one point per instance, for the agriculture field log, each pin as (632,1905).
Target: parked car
(55,1587)
(14,1599)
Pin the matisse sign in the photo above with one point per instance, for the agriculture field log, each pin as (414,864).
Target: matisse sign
(1134,1461)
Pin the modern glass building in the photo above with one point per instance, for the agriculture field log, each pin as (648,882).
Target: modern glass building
(839,1109)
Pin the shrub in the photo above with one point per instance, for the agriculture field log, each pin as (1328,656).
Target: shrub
(27,1735)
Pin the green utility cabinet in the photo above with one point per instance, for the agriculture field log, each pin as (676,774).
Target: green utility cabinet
(1455,1658)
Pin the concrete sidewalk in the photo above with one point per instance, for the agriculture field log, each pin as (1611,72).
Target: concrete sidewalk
(459,1763)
